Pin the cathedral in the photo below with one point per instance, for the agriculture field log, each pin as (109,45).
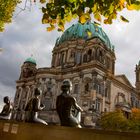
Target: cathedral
(85,56)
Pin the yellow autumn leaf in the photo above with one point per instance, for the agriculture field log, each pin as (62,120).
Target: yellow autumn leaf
(81,1)
(61,27)
(94,8)
(68,18)
(108,21)
(84,18)
(111,8)
(74,16)
(53,21)
(50,28)
(130,7)
(133,6)
(42,1)
(122,1)
(50,1)
(136,6)
(97,16)
(44,21)
(89,33)
(105,21)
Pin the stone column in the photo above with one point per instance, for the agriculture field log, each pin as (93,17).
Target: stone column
(56,60)
(94,79)
(20,95)
(28,95)
(104,87)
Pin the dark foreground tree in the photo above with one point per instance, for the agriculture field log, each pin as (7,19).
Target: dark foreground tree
(57,12)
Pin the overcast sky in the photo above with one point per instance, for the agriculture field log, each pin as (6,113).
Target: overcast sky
(26,36)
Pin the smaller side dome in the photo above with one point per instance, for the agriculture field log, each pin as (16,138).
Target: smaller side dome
(30,60)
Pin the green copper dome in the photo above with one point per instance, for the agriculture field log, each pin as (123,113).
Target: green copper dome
(31,60)
(85,31)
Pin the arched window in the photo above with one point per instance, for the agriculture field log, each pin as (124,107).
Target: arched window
(93,55)
(89,55)
(72,55)
(78,58)
(98,105)
(120,98)
(62,58)
(100,55)
(87,87)
(106,92)
(53,60)
(58,60)
(85,58)
(76,89)
(107,63)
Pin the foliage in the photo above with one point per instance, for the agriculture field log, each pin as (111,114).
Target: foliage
(114,121)
(135,120)
(117,121)
(135,114)
(58,12)
(7,8)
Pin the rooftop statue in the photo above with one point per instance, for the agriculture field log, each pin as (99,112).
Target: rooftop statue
(32,108)
(68,110)
(7,109)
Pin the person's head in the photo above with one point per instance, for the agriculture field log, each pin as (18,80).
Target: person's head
(37,92)
(6,100)
(66,85)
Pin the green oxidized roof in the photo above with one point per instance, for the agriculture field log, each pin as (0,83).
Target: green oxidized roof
(31,60)
(85,31)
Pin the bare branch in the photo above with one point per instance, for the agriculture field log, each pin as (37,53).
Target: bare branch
(24,8)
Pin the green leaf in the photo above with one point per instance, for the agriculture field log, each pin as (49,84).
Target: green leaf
(97,16)
(124,19)
(44,10)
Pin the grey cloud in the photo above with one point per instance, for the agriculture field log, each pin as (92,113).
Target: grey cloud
(1,102)
(125,37)
(26,36)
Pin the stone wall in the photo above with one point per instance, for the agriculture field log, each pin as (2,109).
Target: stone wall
(26,131)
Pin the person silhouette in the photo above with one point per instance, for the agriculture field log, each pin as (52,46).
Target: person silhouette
(68,110)
(32,108)
(7,109)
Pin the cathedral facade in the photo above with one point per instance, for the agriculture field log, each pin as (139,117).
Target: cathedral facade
(85,56)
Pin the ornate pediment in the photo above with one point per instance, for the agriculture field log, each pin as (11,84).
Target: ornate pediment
(123,79)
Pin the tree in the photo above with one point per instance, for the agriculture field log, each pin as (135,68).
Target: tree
(114,121)
(57,12)
(117,121)
(7,8)
(135,120)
